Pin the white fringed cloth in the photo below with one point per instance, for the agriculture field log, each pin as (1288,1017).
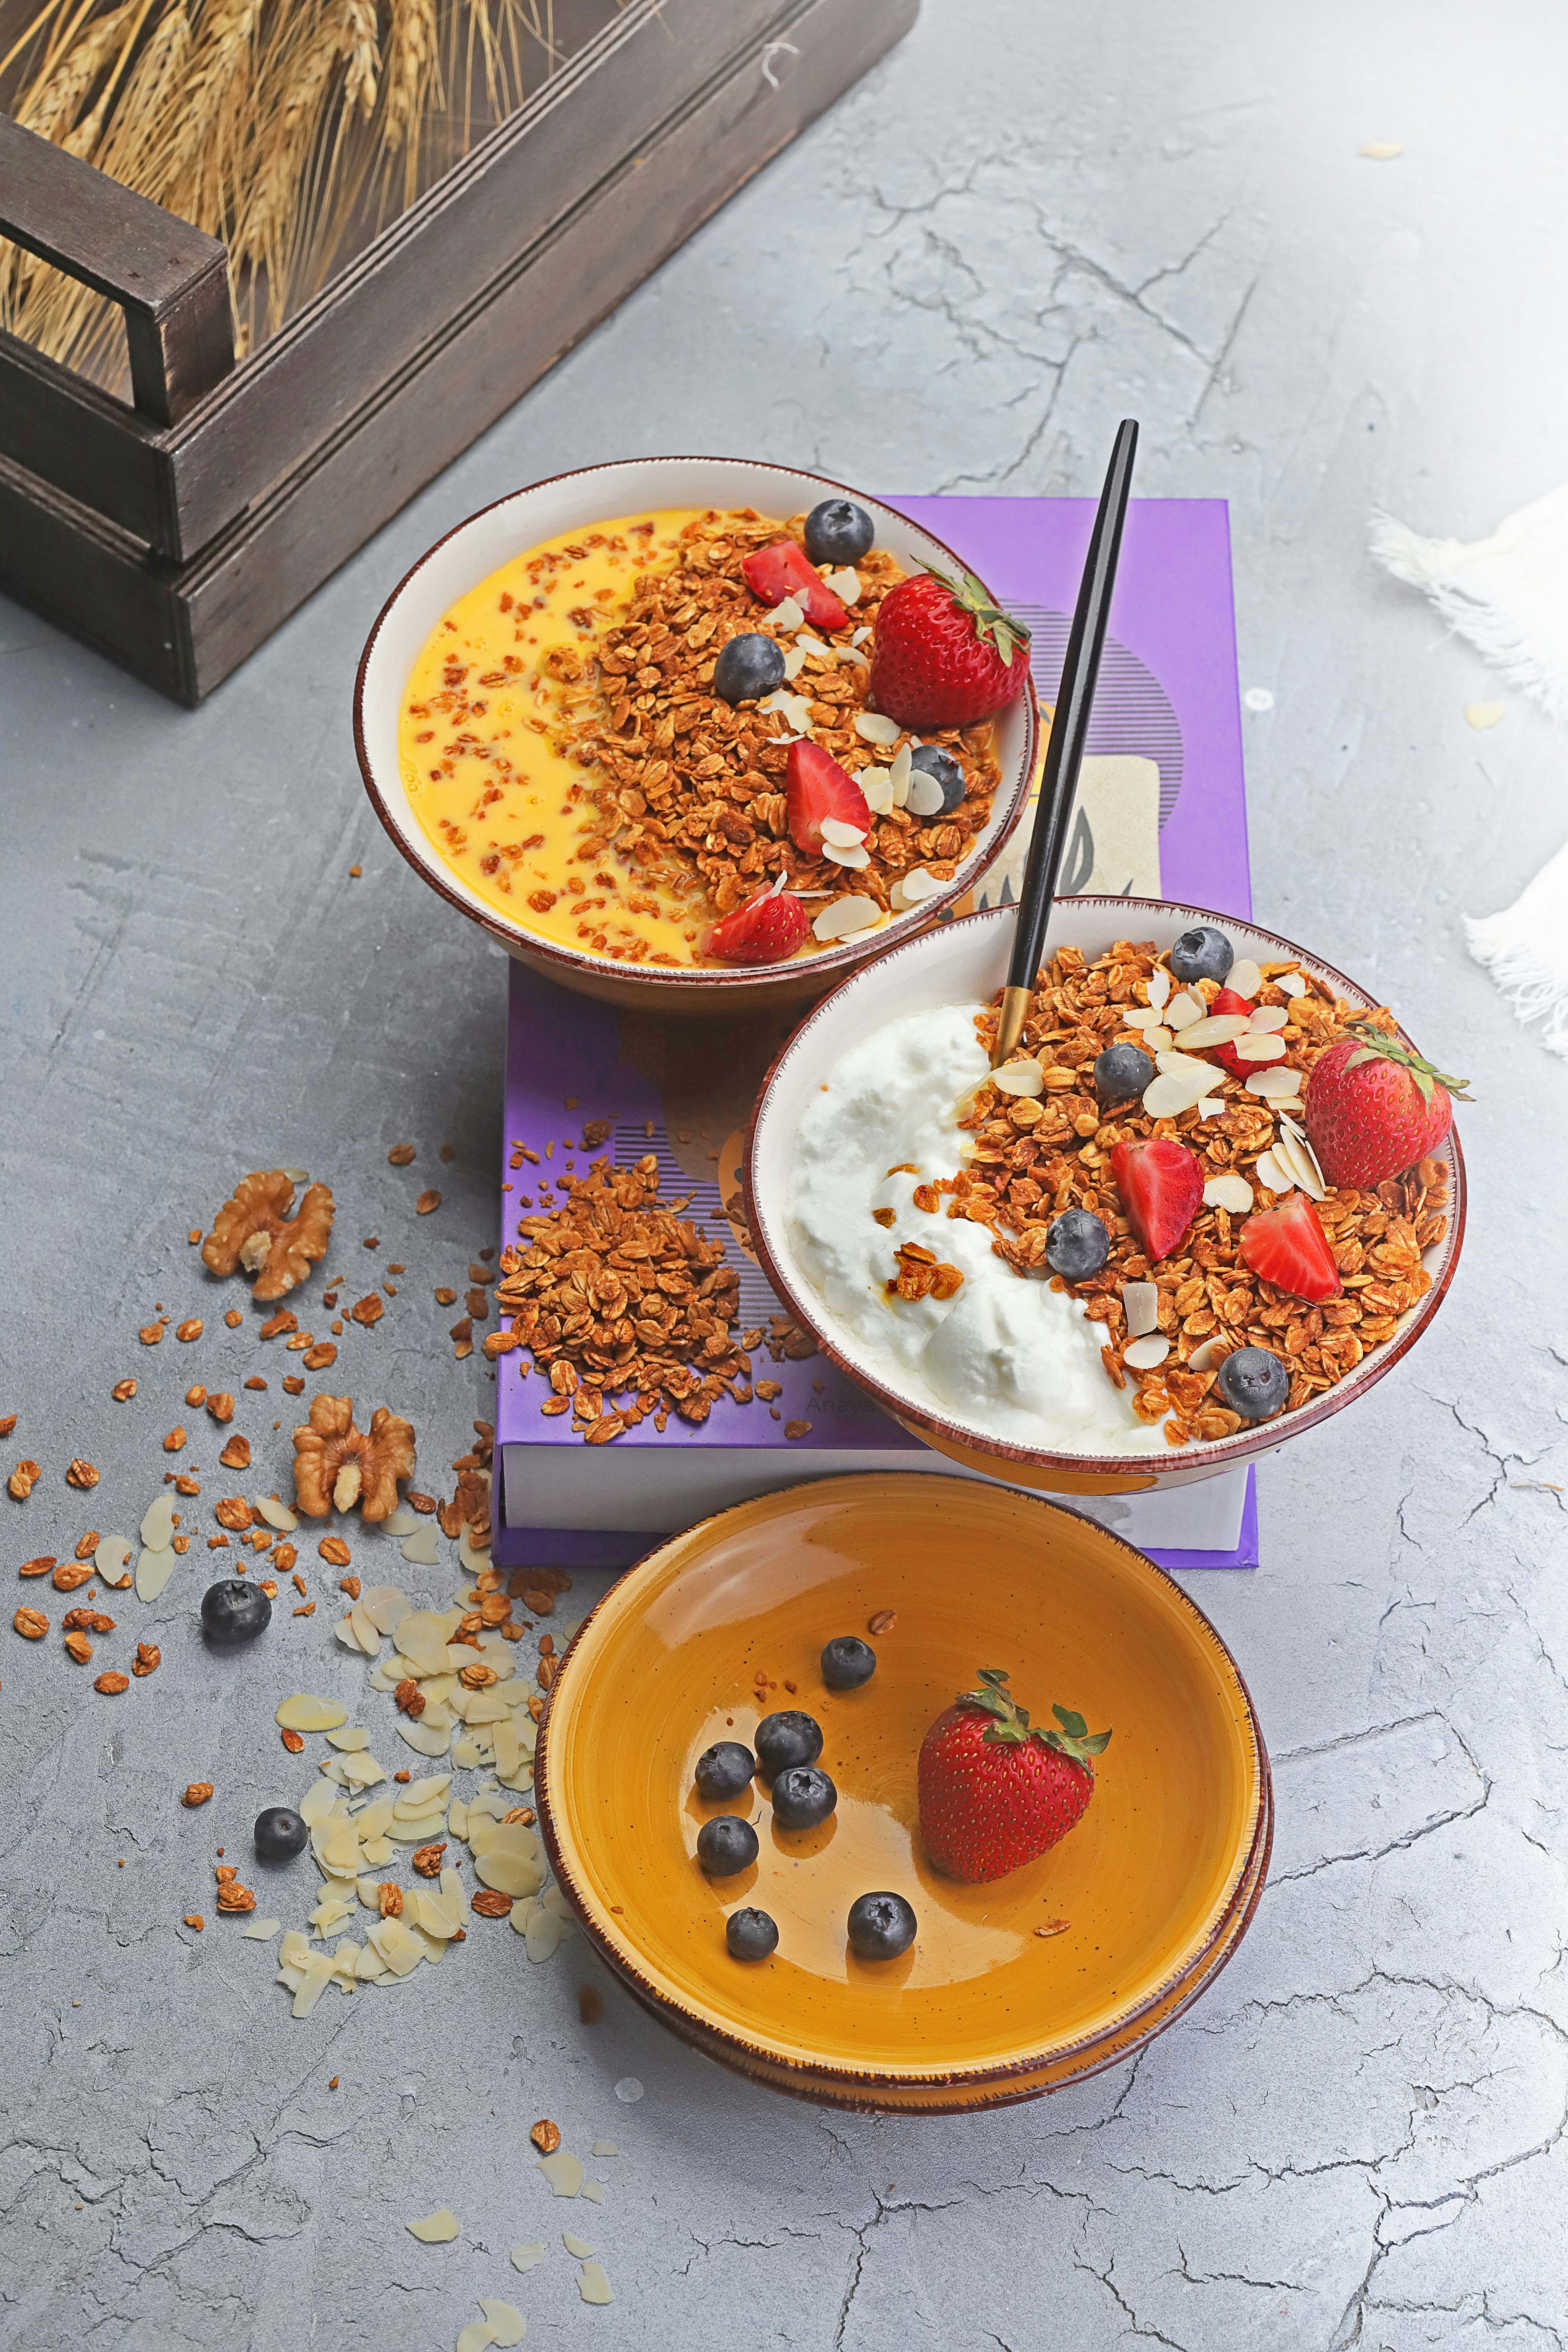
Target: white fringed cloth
(1509,595)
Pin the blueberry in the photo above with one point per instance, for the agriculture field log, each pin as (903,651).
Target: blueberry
(1077,1245)
(724,1771)
(1122,1072)
(725,1845)
(751,1935)
(234,1611)
(838,531)
(749,666)
(943,788)
(279,1834)
(1254,1383)
(881,1927)
(803,1796)
(848,1662)
(789,1737)
(1201,953)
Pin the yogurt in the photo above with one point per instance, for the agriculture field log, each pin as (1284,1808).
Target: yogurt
(1007,1354)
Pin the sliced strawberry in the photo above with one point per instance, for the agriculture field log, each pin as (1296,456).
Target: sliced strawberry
(1288,1248)
(817,788)
(780,570)
(767,929)
(1228,1000)
(1161,1188)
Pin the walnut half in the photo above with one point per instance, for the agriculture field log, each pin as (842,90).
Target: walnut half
(337,1466)
(258,1229)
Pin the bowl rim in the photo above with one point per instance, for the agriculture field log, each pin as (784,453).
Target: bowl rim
(1214,1454)
(839,958)
(819,2077)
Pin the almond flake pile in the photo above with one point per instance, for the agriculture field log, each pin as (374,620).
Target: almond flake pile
(1034,1155)
(618,1297)
(687,795)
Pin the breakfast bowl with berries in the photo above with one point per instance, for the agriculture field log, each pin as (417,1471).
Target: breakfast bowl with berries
(695,735)
(1210,1199)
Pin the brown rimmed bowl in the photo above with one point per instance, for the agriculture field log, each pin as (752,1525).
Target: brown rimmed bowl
(963,961)
(1142,1904)
(594,494)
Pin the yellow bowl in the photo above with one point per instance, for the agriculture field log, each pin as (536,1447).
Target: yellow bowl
(1156,1883)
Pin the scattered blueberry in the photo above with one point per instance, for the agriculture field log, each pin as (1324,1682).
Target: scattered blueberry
(234,1611)
(790,1736)
(848,1662)
(751,1935)
(1077,1245)
(1254,1383)
(279,1834)
(725,1845)
(803,1796)
(1122,1072)
(1201,953)
(941,769)
(724,1771)
(881,1927)
(838,531)
(748,666)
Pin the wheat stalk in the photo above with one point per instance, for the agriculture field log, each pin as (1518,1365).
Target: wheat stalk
(288,128)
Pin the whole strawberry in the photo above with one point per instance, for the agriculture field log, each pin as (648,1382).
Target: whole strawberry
(1373,1107)
(994,1792)
(943,653)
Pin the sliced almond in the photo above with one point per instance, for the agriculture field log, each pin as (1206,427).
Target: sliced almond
(438,2228)
(899,769)
(873,727)
(315,1977)
(276,1514)
(1293,1151)
(1258,1046)
(1145,1353)
(1270,1085)
(1244,979)
(1159,1040)
(844,836)
(153,1569)
(561,2168)
(843,916)
(925,795)
(1267,1017)
(1170,1094)
(1026,1078)
(845,583)
(876,788)
(1215,1029)
(1273,1173)
(914,887)
(305,1712)
(1159,986)
(856,858)
(1140,1303)
(1291,983)
(1229,1192)
(1183,1011)
(1209,1352)
(112,1561)
(158,1523)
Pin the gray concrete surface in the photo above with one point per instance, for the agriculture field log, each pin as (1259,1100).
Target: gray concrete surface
(1032,218)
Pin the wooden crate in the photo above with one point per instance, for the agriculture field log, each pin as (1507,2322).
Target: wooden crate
(177,533)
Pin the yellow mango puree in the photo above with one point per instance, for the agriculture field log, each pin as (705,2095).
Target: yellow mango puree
(501,807)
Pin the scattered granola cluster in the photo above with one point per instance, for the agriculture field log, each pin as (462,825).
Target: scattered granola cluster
(1033,1157)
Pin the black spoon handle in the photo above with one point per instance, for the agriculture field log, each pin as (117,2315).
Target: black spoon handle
(1070,731)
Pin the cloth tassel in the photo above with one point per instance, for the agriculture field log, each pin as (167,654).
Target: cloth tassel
(1523,948)
(1509,595)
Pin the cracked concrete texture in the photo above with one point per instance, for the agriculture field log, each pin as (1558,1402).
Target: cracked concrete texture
(958,280)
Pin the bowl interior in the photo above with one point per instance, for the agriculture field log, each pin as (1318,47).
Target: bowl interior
(966,960)
(570,501)
(977,1576)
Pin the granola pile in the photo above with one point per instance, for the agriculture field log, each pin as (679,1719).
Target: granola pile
(688,792)
(1031,1158)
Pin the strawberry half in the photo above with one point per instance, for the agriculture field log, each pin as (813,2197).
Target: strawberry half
(1373,1107)
(943,653)
(767,929)
(995,1794)
(1228,1000)
(780,570)
(1288,1248)
(817,788)
(1162,1189)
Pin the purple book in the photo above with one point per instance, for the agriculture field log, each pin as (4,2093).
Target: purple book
(1168,702)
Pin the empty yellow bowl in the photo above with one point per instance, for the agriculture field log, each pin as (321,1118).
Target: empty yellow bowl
(1155,1883)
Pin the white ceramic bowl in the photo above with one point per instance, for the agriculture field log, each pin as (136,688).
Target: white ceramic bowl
(573,501)
(966,960)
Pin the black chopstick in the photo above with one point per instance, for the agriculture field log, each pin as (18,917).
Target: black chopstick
(1070,731)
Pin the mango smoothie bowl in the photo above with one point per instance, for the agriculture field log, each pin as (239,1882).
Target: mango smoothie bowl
(695,735)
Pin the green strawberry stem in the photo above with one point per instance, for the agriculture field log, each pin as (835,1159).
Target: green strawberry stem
(1011,1725)
(992,624)
(1377,1046)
